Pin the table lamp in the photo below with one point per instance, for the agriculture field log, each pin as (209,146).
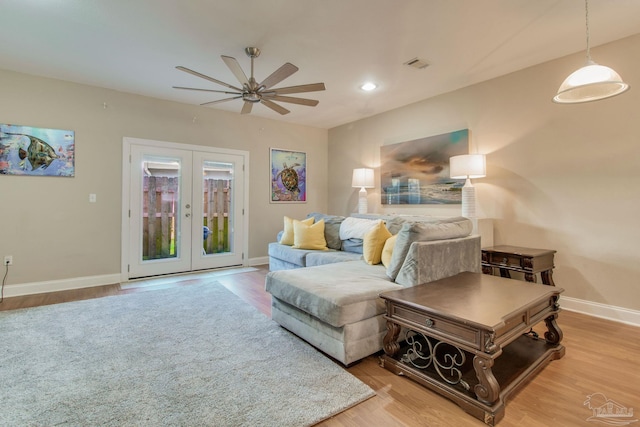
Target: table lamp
(363,178)
(466,167)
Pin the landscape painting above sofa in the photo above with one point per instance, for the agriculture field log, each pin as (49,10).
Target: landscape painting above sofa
(417,171)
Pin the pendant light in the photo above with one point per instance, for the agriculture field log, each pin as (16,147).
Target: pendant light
(591,82)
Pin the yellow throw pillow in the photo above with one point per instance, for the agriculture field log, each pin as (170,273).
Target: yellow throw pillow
(307,236)
(387,251)
(287,236)
(373,243)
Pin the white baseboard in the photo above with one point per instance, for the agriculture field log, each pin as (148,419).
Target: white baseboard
(60,285)
(604,311)
(609,312)
(258,261)
(22,289)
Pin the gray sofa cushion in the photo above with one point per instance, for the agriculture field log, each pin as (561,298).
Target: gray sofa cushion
(288,254)
(394,225)
(441,229)
(437,259)
(338,294)
(331,228)
(329,257)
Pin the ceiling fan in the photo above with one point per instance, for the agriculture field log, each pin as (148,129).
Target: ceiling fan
(253,92)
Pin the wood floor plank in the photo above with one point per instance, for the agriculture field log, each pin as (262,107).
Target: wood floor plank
(601,357)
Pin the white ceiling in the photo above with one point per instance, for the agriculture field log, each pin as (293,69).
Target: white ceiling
(134,45)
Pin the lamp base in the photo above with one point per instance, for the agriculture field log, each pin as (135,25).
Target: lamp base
(468,200)
(362,201)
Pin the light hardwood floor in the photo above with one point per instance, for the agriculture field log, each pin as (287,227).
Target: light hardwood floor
(601,357)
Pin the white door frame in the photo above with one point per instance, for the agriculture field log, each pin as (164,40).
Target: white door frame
(126,192)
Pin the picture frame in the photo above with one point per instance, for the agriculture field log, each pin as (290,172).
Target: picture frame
(288,176)
(33,151)
(416,172)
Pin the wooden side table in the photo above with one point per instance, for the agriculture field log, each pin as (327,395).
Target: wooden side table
(524,260)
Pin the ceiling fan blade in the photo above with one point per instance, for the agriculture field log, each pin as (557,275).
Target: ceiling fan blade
(314,87)
(246,108)
(275,107)
(211,79)
(221,100)
(292,100)
(207,90)
(236,69)
(279,75)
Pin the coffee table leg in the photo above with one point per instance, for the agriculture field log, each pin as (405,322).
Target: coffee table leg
(554,333)
(488,389)
(390,341)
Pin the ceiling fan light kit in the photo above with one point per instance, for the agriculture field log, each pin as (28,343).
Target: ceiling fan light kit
(591,82)
(253,92)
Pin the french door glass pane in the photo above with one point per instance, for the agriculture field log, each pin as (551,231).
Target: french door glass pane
(217,207)
(161,207)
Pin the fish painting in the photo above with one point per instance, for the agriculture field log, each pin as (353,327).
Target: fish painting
(26,150)
(39,153)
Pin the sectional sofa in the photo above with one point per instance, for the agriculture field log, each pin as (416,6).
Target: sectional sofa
(329,296)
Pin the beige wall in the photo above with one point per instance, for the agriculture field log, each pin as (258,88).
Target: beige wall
(560,177)
(564,177)
(48,224)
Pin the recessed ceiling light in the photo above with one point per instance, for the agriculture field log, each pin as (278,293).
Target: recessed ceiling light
(368,86)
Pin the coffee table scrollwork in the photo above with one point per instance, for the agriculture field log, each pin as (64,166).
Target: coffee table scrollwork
(446,359)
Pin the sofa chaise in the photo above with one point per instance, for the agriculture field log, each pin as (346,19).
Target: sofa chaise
(330,297)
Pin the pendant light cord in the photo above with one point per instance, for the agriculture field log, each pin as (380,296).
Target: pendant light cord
(586,8)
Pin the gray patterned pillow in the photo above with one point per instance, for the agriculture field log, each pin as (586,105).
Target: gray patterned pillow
(331,228)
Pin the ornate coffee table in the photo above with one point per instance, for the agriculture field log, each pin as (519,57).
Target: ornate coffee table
(469,337)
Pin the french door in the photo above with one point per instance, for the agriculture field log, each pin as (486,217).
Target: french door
(186,209)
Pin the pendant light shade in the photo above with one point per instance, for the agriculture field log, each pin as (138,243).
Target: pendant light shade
(591,82)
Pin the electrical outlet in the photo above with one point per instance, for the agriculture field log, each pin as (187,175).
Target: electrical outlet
(8,260)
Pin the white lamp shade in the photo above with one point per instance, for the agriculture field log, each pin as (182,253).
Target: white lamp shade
(468,166)
(590,83)
(363,178)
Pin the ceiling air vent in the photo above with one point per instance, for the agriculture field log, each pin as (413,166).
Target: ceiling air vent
(417,63)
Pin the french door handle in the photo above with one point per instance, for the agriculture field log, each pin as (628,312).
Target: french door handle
(188,206)
(187,215)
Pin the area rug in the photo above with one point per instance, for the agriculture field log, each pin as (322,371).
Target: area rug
(194,355)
